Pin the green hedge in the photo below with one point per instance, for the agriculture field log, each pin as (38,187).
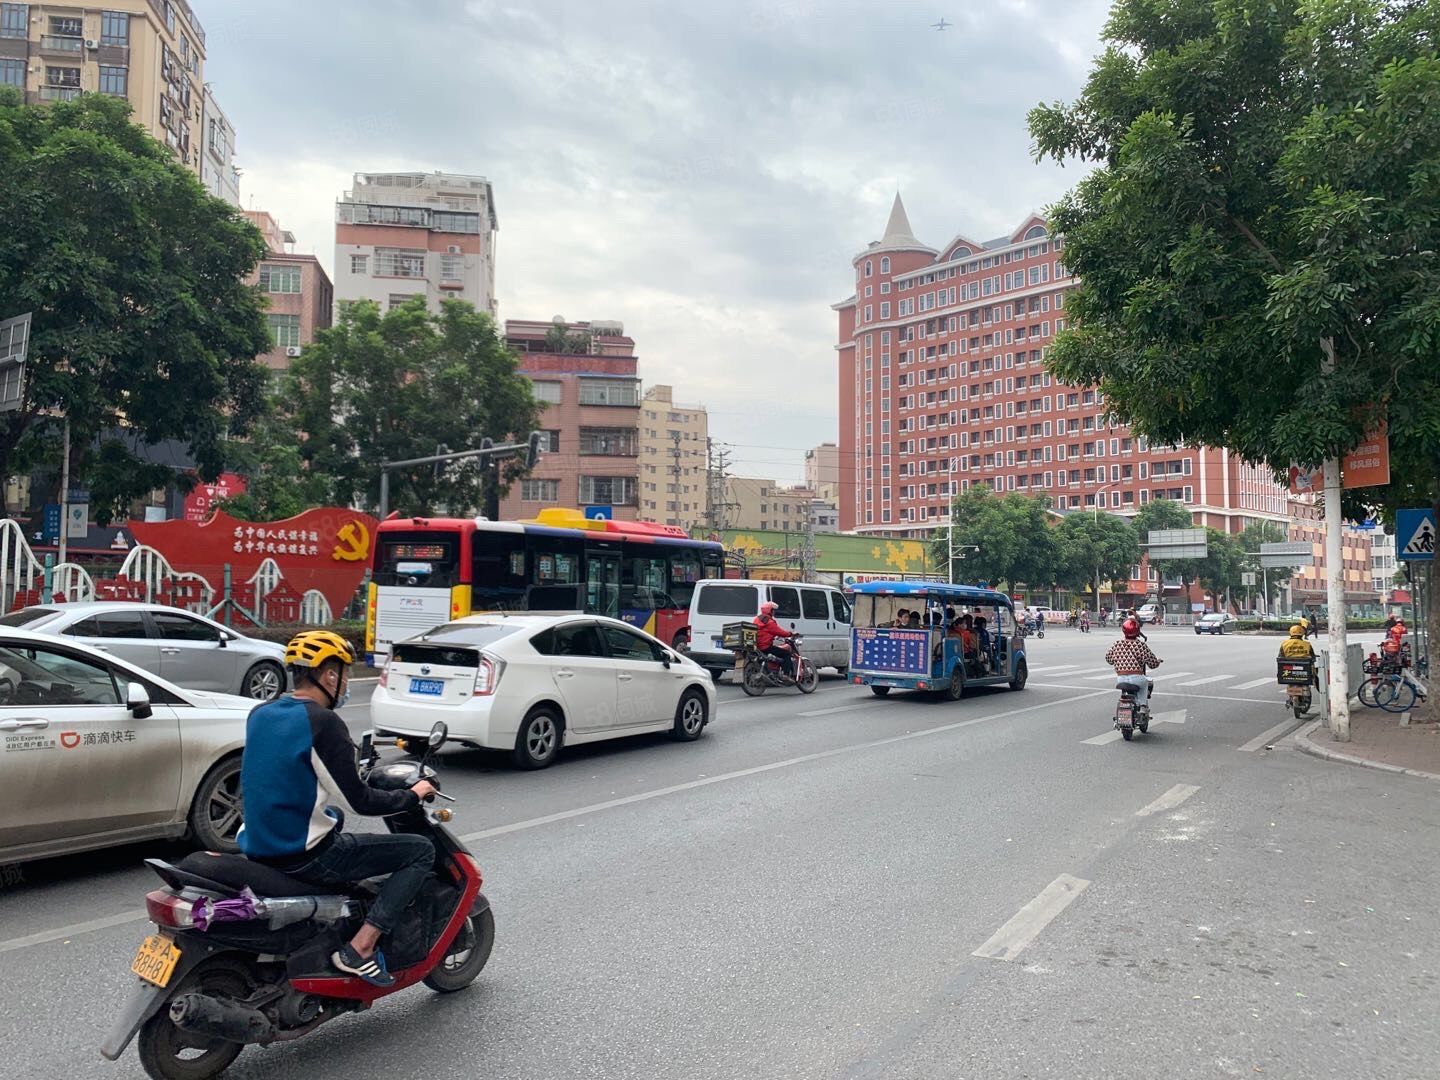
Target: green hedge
(1282,626)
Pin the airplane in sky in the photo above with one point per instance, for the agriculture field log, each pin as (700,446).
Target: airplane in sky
(941,25)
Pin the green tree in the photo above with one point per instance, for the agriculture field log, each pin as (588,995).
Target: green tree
(143,329)
(1220,570)
(1255,534)
(1011,532)
(1256,245)
(1094,548)
(395,385)
(277,483)
(1167,514)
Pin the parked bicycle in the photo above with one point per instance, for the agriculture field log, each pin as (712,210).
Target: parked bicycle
(1388,687)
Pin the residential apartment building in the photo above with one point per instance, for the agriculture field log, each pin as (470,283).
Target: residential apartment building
(763,504)
(585,374)
(399,235)
(822,471)
(674,460)
(943,386)
(217,159)
(301,298)
(1308,585)
(150,52)
(1383,563)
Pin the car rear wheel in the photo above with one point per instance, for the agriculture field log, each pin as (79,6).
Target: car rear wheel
(538,741)
(218,807)
(264,682)
(691,716)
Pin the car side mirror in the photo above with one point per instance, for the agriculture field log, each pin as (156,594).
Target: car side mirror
(224,640)
(667,658)
(137,700)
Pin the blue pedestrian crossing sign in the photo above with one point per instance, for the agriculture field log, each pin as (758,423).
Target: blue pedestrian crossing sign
(1415,535)
(599,513)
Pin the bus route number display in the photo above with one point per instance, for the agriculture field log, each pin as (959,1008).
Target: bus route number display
(420,552)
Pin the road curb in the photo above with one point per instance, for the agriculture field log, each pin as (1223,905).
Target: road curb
(1314,749)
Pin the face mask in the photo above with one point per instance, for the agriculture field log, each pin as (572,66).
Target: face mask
(344,697)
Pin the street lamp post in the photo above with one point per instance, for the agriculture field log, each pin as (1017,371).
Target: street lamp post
(950,548)
(1095,516)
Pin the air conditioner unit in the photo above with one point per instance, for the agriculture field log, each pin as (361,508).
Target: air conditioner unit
(92,44)
(454,249)
(292,350)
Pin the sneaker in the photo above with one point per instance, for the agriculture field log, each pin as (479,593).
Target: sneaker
(372,969)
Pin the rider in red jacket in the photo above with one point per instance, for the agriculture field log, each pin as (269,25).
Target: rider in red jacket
(767,631)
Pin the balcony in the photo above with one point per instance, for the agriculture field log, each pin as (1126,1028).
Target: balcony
(53,43)
(59,93)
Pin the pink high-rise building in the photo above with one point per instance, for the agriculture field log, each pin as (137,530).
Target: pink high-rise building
(943,386)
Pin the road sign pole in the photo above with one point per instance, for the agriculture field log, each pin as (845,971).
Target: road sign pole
(64,493)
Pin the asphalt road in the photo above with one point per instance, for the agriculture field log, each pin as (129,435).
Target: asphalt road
(836,886)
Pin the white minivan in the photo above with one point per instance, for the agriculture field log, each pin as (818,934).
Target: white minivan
(818,612)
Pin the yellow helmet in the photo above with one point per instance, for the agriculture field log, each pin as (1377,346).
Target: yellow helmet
(1297,631)
(312,648)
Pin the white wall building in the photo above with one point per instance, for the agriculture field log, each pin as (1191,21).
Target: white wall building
(217,156)
(1382,563)
(399,235)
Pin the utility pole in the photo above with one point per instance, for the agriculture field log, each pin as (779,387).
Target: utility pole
(1335,580)
(64,496)
(807,553)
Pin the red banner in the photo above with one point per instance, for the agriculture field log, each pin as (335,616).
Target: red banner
(204,498)
(327,549)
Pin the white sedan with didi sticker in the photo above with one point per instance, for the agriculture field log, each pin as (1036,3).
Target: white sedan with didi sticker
(96,752)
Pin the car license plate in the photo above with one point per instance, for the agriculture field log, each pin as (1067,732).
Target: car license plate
(719,642)
(155,960)
(431,687)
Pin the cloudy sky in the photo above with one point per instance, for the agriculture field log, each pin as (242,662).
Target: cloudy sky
(702,171)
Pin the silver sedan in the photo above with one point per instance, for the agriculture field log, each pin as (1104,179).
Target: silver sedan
(181,647)
(96,752)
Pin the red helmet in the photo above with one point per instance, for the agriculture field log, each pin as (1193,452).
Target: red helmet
(1130,628)
(769,607)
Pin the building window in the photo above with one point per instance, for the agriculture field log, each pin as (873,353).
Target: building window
(68,77)
(607,490)
(114,80)
(114,28)
(397,300)
(61,26)
(608,442)
(451,222)
(15,20)
(360,264)
(452,267)
(551,442)
(284,330)
(542,491)
(12,73)
(605,392)
(399,262)
(169,16)
(278,279)
(548,392)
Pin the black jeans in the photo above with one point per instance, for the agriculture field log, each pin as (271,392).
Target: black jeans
(406,858)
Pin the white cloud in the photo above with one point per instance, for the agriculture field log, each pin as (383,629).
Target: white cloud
(702,172)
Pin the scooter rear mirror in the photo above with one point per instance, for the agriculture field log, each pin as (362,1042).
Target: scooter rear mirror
(438,734)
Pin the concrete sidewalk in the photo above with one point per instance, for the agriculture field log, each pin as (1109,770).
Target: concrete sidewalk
(1378,740)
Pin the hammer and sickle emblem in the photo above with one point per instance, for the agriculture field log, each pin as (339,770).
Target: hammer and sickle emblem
(352,542)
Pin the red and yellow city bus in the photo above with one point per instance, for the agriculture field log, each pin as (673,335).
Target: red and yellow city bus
(427,571)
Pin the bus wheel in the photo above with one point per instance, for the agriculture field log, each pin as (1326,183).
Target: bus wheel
(955,689)
(1021,674)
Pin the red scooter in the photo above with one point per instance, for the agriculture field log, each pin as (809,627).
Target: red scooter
(241,952)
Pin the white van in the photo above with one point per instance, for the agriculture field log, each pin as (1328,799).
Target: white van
(818,612)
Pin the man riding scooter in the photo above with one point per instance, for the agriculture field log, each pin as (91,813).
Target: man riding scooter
(769,638)
(298,760)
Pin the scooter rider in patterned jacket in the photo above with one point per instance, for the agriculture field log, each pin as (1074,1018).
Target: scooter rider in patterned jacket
(1131,657)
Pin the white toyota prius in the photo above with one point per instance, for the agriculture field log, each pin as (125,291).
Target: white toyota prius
(530,683)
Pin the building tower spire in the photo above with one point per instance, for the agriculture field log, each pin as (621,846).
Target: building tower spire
(897,229)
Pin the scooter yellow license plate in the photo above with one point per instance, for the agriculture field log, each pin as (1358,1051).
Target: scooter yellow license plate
(155,960)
